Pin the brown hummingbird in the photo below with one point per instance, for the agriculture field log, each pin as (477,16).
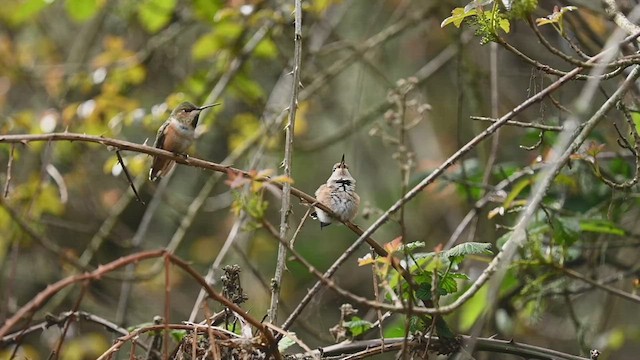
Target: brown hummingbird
(175,135)
(338,194)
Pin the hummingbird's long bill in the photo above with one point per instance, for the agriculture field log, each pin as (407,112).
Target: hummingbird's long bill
(208,106)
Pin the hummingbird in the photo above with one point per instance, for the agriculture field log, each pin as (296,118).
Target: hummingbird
(338,194)
(176,134)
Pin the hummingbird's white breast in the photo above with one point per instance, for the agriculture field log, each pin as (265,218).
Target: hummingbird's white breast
(179,136)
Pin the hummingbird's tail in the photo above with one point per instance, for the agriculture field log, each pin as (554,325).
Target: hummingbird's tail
(160,168)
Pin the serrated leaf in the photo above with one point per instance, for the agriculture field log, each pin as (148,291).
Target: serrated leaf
(413,245)
(448,285)
(424,292)
(469,248)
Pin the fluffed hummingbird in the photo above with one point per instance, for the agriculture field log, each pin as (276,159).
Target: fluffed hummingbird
(338,194)
(176,134)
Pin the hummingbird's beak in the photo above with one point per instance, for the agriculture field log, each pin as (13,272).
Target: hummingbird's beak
(208,106)
(342,161)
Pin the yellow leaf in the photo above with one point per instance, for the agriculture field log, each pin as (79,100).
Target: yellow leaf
(505,25)
(366,260)
(281,179)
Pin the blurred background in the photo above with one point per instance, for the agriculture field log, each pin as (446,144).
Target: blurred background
(116,68)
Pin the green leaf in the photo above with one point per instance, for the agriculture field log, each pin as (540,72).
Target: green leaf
(601,226)
(178,335)
(16,13)
(266,49)
(566,230)
(417,324)
(155,14)
(424,292)
(517,189)
(287,341)
(82,10)
(469,248)
(358,326)
(395,330)
(246,88)
(635,116)
(228,30)
(206,46)
(413,245)
(206,9)
(449,285)
(457,17)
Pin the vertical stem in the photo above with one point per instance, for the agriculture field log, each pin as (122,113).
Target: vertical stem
(404,185)
(9,166)
(403,159)
(167,306)
(288,150)
(495,141)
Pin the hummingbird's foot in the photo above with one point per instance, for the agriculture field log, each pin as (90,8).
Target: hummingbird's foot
(183,155)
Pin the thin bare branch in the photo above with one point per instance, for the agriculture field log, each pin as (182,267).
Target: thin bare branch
(285,208)
(520,124)
(129,179)
(9,168)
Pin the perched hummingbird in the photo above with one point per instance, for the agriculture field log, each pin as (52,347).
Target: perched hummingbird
(338,194)
(175,135)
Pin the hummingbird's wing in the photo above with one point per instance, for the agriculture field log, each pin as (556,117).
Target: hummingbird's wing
(159,143)
(323,195)
(160,166)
